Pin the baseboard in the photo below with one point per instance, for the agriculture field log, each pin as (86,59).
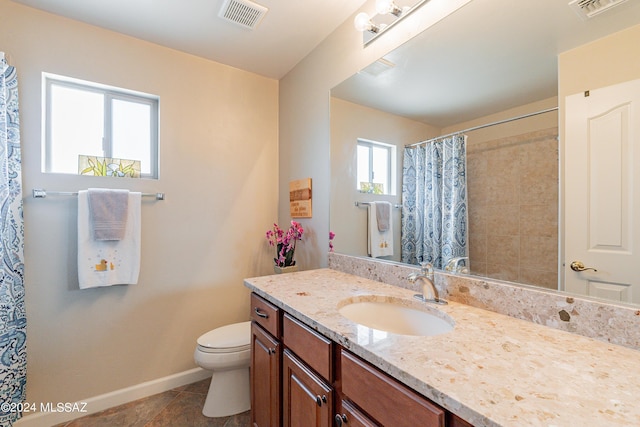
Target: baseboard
(109,400)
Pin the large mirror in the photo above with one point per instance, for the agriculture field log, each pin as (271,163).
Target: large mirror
(491,66)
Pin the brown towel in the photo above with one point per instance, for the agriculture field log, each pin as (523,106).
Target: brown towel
(383,215)
(108,213)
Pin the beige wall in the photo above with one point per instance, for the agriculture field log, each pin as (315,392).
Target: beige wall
(218,133)
(349,122)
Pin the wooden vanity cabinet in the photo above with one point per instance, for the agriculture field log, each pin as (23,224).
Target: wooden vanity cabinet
(299,378)
(266,355)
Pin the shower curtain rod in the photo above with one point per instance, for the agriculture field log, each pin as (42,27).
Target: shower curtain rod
(499,122)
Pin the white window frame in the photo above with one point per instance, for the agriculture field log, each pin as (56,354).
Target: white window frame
(110,93)
(391,156)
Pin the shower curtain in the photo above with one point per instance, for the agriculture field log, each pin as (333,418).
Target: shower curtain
(13,356)
(434,202)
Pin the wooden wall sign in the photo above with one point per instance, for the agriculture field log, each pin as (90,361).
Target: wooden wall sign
(300,198)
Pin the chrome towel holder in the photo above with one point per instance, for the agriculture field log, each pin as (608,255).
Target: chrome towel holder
(40,193)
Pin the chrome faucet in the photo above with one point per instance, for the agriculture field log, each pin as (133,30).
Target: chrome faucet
(454,265)
(429,290)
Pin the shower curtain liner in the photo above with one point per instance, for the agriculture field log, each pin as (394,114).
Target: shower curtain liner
(434,201)
(13,356)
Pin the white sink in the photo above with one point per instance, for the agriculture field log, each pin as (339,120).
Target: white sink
(395,318)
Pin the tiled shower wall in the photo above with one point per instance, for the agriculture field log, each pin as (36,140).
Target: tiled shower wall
(513,208)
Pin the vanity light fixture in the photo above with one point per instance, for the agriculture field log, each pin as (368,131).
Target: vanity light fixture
(388,14)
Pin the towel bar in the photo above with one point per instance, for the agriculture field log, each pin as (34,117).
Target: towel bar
(357,204)
(40,193)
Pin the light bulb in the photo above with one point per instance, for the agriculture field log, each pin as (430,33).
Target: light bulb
(362,21)
(384,6)
(388,6)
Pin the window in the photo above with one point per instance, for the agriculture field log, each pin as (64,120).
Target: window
(376,165)
(84,118)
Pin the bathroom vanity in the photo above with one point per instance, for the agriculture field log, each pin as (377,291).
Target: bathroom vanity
(321,382)
(308,380)
(313,366)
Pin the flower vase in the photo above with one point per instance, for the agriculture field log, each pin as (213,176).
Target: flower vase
(289,269)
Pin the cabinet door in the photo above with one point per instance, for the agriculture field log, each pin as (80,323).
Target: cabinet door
(307,399)
(348,416)
(265,378)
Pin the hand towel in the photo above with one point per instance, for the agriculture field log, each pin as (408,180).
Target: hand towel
(380,243)
(108,212)
(108,262)
(383,214)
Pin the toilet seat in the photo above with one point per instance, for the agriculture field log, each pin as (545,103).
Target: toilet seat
(226,339)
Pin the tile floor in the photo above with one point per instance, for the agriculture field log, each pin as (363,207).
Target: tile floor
(180,407)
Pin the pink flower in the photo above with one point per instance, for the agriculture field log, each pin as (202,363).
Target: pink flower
(285,243)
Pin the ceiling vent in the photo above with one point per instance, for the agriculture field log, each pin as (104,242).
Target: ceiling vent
(589,8)
(243,12)
(378,67)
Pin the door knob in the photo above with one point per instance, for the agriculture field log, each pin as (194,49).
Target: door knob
(579,266)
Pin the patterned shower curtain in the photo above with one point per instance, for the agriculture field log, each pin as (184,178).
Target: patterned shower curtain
(13,322)
(434,202)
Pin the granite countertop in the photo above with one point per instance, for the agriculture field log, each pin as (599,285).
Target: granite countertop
(491,369)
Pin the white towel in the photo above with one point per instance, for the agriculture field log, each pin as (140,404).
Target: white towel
(380,243)
(108,262)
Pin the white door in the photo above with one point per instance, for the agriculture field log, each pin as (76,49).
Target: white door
(602,193)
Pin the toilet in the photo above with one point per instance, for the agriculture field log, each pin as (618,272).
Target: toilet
(227,352)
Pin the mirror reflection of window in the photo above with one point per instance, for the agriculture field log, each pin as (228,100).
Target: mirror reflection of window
(366,336)
(375,167)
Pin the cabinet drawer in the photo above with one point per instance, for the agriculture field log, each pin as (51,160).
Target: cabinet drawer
(265,314)
(389,402)
(309,345)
